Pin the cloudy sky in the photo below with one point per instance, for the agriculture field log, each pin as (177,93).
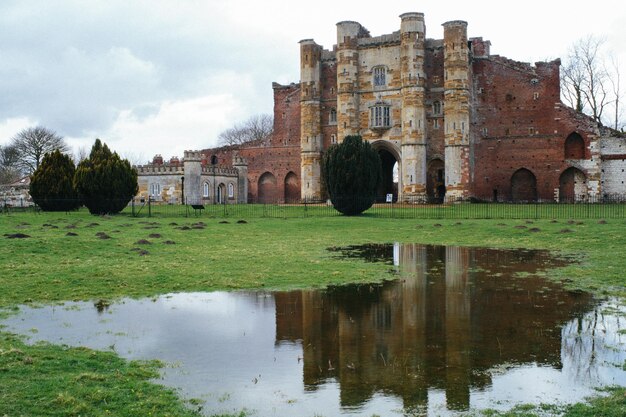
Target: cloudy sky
(161,76)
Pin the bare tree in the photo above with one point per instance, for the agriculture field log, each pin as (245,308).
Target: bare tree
(616,92)
(257,128)
(572,80)
(33,143)
(9,165)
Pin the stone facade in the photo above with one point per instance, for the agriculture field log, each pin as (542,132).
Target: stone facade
(16,194)
(458,121)
(195,180)
(449,120)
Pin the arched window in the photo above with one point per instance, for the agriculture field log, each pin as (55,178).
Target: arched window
(231,191)
(205,189)
(379,76)
(332,119)
(436,108)
(214,160)
(574,147)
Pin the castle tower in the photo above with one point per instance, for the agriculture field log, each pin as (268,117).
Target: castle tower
(241,165)
(347,79)
(456,109)
(193,171)
(310,117)
(413,170)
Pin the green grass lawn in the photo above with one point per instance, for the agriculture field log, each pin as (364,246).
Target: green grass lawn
(50,266)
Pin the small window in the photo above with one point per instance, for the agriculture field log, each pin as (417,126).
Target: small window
(214,160)
(437,108)
(333,116)
(231,191)
(535,96)
(379,74)
(333,139)
(155,190)
(380,116)
(205,189)
(531,130)
(436,123)
(484,131)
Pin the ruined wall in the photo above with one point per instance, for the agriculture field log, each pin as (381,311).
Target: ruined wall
(274,163)
(613,168)
(519,123)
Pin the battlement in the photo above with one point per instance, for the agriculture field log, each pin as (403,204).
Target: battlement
(393,38)
(219,171)
(193,156)
(159,169)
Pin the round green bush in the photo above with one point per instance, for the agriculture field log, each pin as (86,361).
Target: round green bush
(352,174)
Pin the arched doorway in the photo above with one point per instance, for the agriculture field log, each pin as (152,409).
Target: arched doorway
(572,185)
(435,181)
(574,147)
(523,186)
(389,183)
(292,188)
(221,194)
(267,190)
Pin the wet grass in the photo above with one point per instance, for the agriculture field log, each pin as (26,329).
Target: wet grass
(100,260)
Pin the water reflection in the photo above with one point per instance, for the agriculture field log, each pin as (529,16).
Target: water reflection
(464,328)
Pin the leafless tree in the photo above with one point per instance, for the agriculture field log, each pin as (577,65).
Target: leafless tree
(584,77)
(33,143)
(256,128)
(616,92)
(9,165)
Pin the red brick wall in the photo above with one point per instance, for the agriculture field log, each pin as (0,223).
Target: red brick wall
(280,155)
(517,123)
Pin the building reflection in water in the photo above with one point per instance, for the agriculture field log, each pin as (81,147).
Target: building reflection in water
(455,314)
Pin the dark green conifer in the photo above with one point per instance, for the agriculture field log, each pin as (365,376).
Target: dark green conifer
(104,181)
(51,185)
(352,174)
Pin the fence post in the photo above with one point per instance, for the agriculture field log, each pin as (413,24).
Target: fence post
(149,206)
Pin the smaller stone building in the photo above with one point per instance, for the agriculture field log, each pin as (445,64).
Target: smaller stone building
(16,194)
(196,179)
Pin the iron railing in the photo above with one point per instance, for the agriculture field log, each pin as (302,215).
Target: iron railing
(613,206)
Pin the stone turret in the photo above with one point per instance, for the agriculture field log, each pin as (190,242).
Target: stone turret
(193,170)
(457,109)
(348,33)
(310,116)
(412,37)
(241,165)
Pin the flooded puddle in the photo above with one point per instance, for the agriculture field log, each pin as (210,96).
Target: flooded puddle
(464,328)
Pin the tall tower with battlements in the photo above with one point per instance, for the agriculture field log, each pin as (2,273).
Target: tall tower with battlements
(310,116)
(413,145)
(457,83)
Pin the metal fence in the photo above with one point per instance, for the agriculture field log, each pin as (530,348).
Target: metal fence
(576,208)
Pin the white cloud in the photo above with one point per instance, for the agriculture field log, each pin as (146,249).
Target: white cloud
(176,126)
(10,127)
(86,71)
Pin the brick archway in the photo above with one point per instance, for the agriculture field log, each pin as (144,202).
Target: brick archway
(292,188)
(574,147)
(572,185)
(268,188)
(435,181)
(523,186)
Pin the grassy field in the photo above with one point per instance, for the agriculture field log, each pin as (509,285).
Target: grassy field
(80,257)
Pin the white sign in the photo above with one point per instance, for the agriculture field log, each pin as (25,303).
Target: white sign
(389,198)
